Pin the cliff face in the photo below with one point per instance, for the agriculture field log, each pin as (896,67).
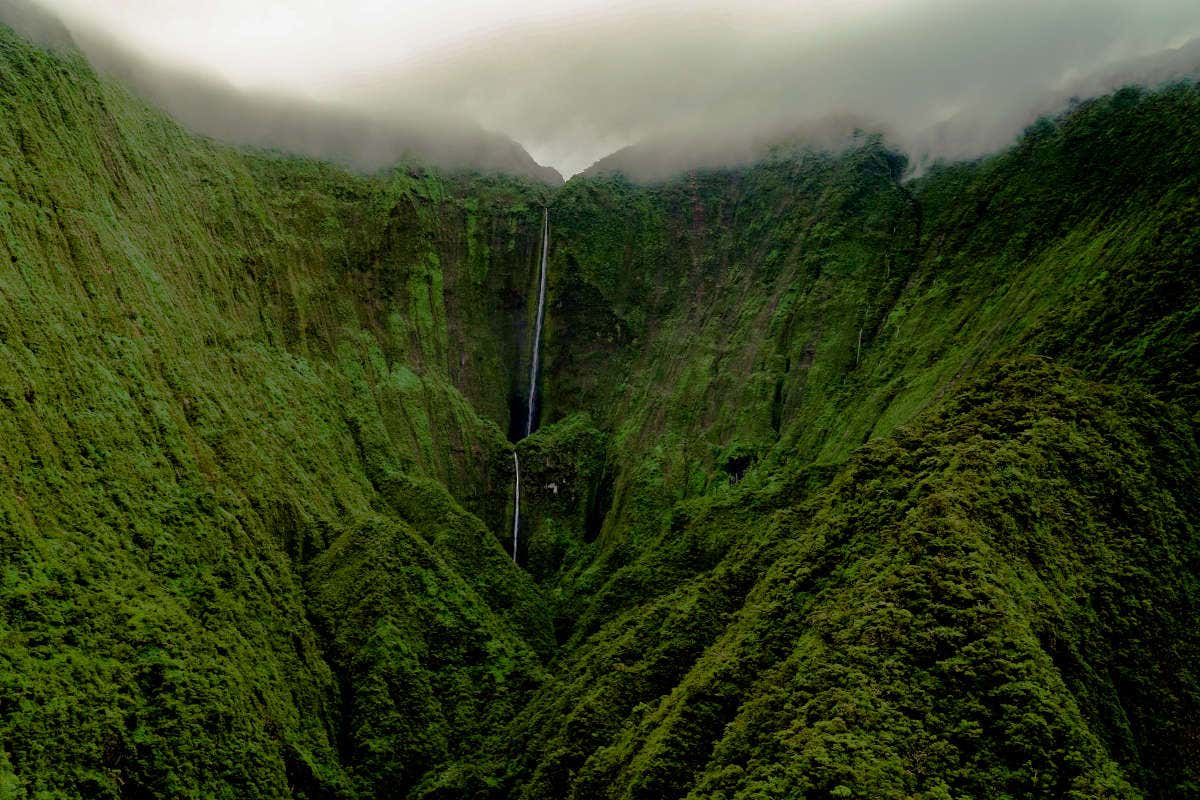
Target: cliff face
(875,442)
(218,371)
(844,485)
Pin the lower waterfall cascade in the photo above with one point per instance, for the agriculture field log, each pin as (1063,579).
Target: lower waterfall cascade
(534,366)
(516,524)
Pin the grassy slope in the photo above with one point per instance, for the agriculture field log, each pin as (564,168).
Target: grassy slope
(994,601)
(253,412)
(217,372)
(731,306)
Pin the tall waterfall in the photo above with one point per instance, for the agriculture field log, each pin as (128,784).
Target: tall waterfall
(516,505)
(534,365)
(535,359)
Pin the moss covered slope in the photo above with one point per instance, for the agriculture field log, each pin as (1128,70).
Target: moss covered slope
(217,373)
(845,485)
(741,335)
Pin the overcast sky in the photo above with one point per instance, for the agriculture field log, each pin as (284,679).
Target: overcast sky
(574,80)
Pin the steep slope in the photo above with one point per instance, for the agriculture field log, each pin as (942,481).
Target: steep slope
(765,323)
(844,485)
(230,392)
(210,106)
(996,601)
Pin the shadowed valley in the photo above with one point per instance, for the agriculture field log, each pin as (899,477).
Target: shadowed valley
(841,484)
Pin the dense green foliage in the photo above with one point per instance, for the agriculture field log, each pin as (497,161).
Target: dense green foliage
(217,371)
(846,485)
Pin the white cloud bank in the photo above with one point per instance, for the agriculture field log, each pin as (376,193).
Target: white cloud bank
(574,80)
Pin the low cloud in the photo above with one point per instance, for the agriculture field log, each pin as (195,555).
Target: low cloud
(357,137)
(705,83)
(945,79)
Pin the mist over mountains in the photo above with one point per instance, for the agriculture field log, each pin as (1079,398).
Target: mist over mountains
(659,88)
(835,474)
(363,140)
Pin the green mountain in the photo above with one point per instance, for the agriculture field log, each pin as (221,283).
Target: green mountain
(844,485)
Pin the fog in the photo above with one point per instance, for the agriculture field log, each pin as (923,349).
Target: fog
(361,138)
(698,83)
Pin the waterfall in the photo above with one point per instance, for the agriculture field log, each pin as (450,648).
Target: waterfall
(516,506)
(535,360)
(534,364)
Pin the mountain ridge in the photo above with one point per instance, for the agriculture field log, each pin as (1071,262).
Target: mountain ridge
(843,483)
(266,120)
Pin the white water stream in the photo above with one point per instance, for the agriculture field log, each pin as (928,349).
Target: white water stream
(536,360)
(516,505)
(534,366)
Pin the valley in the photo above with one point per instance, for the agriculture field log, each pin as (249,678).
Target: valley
(833,482)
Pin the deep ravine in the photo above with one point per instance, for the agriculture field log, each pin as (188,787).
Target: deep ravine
(534,364)
(253,518)
(535,357)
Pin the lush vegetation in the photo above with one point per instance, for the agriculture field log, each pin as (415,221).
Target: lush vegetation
(846,485)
